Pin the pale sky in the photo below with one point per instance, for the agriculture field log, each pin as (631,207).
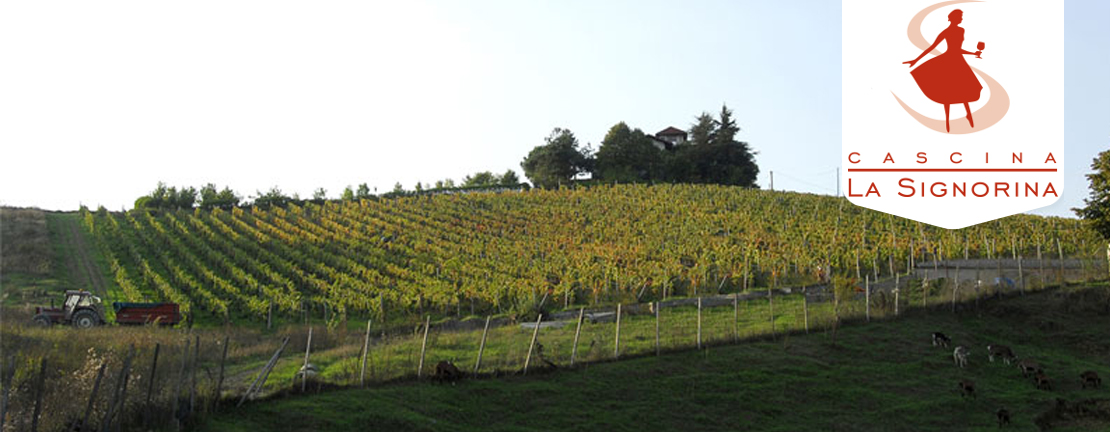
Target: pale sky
(101,100)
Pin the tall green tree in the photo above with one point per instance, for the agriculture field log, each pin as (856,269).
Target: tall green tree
(558,161)
(484,178)
(628,155)
(713,155)
(211,198)
(1097,209)
(348,194)
(363,191)
(509,178)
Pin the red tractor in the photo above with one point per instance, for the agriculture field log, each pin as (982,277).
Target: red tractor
(84,310)
(81,309)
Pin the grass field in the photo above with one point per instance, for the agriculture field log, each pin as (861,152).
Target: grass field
(878,376)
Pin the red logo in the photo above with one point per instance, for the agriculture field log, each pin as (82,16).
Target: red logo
(948,79)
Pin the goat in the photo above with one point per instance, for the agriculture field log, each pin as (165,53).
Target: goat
(1090,378)
(941,339)
(1002,351)
(960,356)
(1042,381)
(967,389)
(1029,367)
(447,372)
(1003,417)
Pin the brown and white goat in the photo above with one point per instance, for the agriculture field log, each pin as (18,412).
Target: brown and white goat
(959,355)
(1002,351)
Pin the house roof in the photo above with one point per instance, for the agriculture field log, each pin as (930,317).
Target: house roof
(671,131)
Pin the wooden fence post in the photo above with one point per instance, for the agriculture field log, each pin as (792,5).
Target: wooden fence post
(304,367)
(1060,249)
(658,305)
(532,345)
(177,387)
(423,347)
(92,397)
(699,322)
(735,317)
(867,295)
(195,366)
(263,373)
(617,338)
(365,353)
(955,289)
(153,369)
(925,291)
(805,307)
(482,347)
(1021,275)
(895,300)
(40,383)
(117,395)
(220,381)
(577,331)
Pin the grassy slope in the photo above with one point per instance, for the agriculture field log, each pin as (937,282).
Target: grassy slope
(883,376)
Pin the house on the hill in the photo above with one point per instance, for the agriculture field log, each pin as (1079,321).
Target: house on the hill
(668,138)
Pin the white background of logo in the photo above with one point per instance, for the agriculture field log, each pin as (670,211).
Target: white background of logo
(1024,53)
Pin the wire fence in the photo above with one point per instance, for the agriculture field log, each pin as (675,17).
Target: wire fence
(165,379)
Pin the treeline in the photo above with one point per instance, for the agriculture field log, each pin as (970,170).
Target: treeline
(711,154)
(165,197)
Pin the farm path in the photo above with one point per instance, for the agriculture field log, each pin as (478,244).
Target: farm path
(83,271)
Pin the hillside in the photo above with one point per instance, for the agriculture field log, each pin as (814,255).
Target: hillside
(514,252)
(880,376)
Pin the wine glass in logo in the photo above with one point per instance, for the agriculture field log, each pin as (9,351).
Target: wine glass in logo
(948,79)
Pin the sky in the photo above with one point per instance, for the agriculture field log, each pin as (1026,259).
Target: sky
(99,101)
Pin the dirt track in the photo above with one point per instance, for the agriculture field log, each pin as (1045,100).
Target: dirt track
(83,272)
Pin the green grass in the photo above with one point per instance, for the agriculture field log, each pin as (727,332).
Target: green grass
(879,376)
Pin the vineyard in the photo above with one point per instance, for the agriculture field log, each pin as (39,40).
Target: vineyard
(519,252)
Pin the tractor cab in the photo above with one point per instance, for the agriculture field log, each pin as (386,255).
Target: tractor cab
(81,309)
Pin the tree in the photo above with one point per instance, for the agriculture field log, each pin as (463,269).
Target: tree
(348,194)
(210,198)
(320,194)
(273,198)
(628,155)
(509,178)
(1097,209)
(484,178)
(558,161)
(398,188)
(714,155)
(363,191)
(168,198)
(419,187)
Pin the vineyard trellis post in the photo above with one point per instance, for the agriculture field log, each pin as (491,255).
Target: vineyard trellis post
(1040,264)
(365,354)
(617,338)
(867,295)
(1061,279)
(771,300)
(92,397)
(307,351)
(577,332)
(895,298)
(482,347)
(1021,274)
(423,347)
(735,317)
(532,344)
(117,395)
(658,305)
(925,292)
(699,323)
(805,307)
(955,290)
(220,381)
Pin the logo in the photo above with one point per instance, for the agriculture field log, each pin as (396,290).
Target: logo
(930,132)
(948,79)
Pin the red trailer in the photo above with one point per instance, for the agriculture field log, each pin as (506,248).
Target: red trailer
(147,313)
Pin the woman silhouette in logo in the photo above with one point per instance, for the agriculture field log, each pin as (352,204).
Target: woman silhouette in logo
(947,79)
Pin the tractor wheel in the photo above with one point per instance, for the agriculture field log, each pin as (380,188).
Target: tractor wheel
(42,321)
(85,319)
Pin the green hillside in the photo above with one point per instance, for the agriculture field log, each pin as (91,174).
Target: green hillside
(876,377)
(517,252)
